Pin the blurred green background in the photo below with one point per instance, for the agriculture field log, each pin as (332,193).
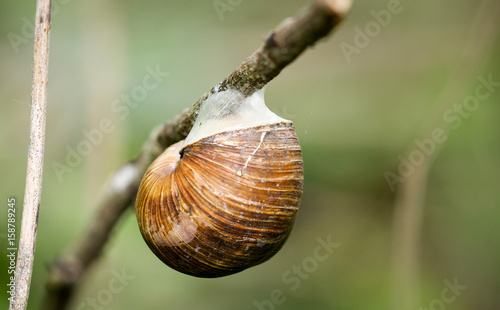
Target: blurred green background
(354,117)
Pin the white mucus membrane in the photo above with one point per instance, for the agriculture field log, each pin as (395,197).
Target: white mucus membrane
(230,110)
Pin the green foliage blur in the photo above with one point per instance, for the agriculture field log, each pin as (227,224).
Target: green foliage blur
(358,100)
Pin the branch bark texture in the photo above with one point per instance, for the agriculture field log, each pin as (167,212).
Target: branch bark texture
(282,46)
(33,189)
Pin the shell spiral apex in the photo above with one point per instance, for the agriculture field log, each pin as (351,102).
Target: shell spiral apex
(224,199)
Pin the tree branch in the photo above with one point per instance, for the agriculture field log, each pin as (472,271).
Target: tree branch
(281,47)
(33,190)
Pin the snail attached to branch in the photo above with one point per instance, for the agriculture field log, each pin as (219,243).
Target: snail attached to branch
(225,198)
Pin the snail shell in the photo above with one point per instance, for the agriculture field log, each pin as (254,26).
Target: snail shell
(225,199)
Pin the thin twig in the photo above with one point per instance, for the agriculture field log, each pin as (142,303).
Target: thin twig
(281,47)
(410,199)
(33,190)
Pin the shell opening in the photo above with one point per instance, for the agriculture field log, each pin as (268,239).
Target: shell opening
(228,110)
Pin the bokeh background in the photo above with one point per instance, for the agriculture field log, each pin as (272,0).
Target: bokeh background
(355,116)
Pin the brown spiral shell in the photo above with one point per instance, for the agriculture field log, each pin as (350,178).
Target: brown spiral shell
(224,203)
